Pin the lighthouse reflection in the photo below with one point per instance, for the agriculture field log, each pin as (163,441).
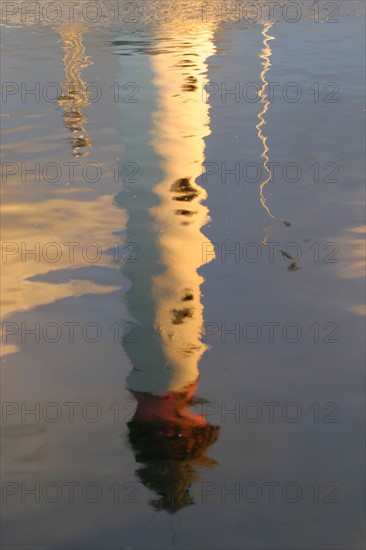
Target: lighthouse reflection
(169,440)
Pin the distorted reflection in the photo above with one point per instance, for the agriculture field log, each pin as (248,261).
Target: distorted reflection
(168,439)
(30,277)
(76,96)
(265,101)
(170,444)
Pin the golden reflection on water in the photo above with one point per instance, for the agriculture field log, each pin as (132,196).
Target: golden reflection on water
(170,441)
(27,281)
(180,124)
(24,274)
(76,96)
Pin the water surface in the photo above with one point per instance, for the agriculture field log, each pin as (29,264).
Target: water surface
(195,300)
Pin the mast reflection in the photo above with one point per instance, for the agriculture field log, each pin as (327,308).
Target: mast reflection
(266,64)
(76,96)
(265,55)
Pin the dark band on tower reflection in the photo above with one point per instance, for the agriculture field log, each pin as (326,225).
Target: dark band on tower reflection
(170,441)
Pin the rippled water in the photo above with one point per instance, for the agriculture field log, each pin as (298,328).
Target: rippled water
(183,276)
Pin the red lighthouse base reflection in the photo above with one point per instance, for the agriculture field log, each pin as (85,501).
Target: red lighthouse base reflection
(170,442)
